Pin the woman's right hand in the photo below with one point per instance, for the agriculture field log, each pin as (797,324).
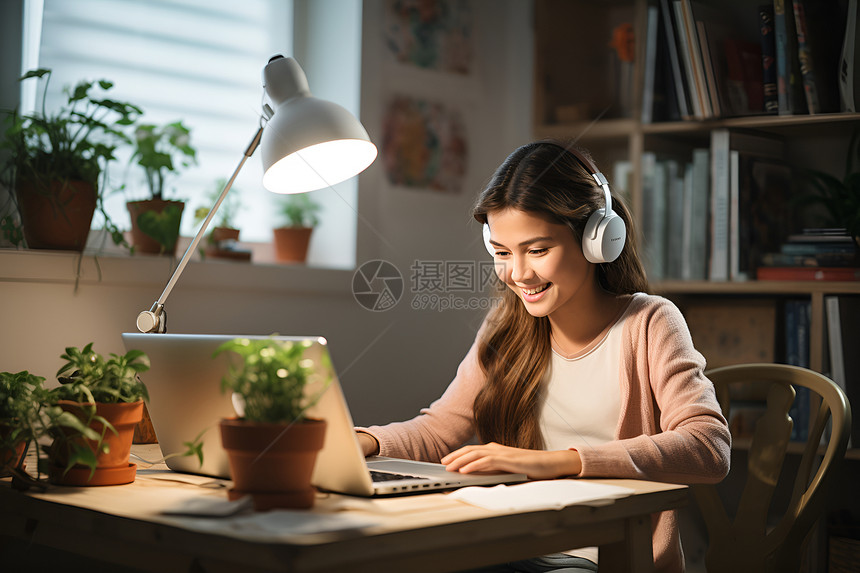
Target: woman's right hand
(369,445)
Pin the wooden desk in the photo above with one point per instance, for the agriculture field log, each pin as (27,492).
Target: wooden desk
(126,525)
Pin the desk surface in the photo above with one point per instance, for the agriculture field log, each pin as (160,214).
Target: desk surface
(429,532)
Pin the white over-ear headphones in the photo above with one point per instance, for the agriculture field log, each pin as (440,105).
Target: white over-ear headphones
(605,233)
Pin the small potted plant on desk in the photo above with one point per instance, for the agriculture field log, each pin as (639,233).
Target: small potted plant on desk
(224,236)
(107,397)
(292,240)
(20,401)
(155,221)
(271,445)
(55,162)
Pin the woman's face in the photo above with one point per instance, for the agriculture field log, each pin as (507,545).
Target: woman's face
(541,261)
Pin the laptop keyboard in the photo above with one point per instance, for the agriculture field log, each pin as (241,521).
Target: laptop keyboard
(389,476)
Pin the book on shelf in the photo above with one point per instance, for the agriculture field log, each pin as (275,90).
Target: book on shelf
(815,248)
(849,62)
(709,69)
(671,61)
(744,82)
(789,82)
(744,195)
(700,200)
(655,189)
(808,273)
(691,56)
(687,230)
(675,218)
(650,72)
(768,59)
(737,272)
(675,214)
(819,26)
(843,334)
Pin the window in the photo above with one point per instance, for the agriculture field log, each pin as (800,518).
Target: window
(195,60)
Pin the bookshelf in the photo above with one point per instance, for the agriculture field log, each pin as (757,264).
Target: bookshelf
(577,97)
(574,61)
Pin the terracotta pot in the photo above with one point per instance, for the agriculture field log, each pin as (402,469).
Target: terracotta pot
(58,216)
(112,467)
(224,234)
(273,462)
(9,457)
(291,244)
(145,243)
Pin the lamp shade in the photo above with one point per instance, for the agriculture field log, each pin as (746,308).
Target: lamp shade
(308,143)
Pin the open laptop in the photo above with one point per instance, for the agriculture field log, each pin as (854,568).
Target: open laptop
(185,398)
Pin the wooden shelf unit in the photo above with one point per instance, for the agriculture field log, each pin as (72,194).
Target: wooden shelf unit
(612,133)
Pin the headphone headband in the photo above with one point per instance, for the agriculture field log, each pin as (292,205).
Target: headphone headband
(604,235)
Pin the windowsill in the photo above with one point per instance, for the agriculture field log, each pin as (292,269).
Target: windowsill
(118,268)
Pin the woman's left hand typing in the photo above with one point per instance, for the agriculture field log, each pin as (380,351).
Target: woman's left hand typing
(493,457)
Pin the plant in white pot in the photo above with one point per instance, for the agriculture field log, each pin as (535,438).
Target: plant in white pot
(271,445)
(299,212)
(162,151)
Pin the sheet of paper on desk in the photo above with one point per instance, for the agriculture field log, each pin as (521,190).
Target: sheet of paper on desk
(537,495)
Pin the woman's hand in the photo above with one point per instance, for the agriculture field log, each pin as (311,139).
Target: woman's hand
(369,445)
(493,457)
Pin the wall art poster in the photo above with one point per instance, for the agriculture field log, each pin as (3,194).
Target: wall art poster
(424,145)
(431,34)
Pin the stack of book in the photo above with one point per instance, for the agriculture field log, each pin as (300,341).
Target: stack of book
(815,254)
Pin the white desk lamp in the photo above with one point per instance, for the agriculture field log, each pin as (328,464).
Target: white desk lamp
(308,144)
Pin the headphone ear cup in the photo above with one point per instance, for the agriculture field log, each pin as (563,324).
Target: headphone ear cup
(490,248)
(604,237)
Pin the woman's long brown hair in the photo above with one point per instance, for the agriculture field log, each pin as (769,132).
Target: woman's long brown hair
(545,179)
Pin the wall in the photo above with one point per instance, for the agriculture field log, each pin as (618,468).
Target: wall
(391,363)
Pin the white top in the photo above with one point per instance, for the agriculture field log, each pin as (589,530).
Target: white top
(582,400)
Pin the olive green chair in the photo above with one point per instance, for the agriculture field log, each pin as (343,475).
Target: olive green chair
(744,542)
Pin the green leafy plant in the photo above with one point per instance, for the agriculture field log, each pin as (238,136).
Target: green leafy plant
(300,210)
(21,396)
(227,212)
(87,377)
(840,198)
(161,151)
(75,143)
(271,378)
(29,412)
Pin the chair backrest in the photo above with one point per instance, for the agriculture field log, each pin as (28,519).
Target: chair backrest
(745,542)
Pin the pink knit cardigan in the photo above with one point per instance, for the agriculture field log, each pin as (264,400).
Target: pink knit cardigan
(671,428)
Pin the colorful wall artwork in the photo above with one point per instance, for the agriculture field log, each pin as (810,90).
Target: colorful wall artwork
(430,34)
(424,145)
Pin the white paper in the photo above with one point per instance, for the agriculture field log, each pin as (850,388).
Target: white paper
(538,495)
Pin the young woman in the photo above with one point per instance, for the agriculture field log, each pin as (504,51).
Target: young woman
(577,372)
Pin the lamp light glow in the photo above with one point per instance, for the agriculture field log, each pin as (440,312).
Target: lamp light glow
(307,144)
(319,166)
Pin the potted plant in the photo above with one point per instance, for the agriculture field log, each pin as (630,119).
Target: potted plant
(292,239)
(224,236)
(840,198)
(20,401)
(161,151)
(55,161)
(107,397)
(271,445)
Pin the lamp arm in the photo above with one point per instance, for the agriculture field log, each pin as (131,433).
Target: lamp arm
(155,319)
